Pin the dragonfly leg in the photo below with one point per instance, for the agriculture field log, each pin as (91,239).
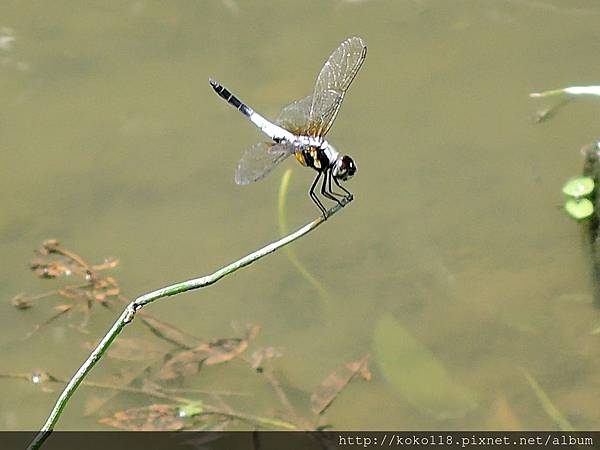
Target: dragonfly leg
(326,190)
(337,183)
(331,191)
(314,197)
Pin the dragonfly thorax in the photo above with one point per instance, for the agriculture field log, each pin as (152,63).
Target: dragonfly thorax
(322,156)
(316,153)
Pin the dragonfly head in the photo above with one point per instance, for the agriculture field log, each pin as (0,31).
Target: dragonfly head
(344,168)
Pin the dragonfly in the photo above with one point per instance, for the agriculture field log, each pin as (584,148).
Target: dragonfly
(301,127)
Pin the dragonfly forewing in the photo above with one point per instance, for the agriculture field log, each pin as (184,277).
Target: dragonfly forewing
(332,83)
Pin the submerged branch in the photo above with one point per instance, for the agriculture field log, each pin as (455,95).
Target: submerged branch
(283,230)
(132,308)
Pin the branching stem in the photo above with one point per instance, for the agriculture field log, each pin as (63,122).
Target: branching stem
(132,308)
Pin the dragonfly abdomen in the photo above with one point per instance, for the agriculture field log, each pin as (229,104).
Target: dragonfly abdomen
(230,98)
(275,132)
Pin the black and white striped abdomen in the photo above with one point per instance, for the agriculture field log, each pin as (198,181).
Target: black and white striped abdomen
(230,98)
(275,132)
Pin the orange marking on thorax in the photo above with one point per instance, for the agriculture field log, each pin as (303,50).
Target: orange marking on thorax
(300,157)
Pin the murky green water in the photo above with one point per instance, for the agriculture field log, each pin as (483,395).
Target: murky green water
(456,247)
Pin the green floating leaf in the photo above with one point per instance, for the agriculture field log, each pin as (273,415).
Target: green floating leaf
(579,209)
(417,375)
(578,187)
(191,409)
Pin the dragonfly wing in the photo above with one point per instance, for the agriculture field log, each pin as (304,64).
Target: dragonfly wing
(258,161)
(294,117)
(333,82)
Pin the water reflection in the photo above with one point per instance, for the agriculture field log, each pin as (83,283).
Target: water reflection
(111,142)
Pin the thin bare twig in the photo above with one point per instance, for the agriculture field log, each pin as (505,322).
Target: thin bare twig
(132,308)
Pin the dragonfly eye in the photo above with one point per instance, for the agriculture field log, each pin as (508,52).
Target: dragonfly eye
(345,168)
